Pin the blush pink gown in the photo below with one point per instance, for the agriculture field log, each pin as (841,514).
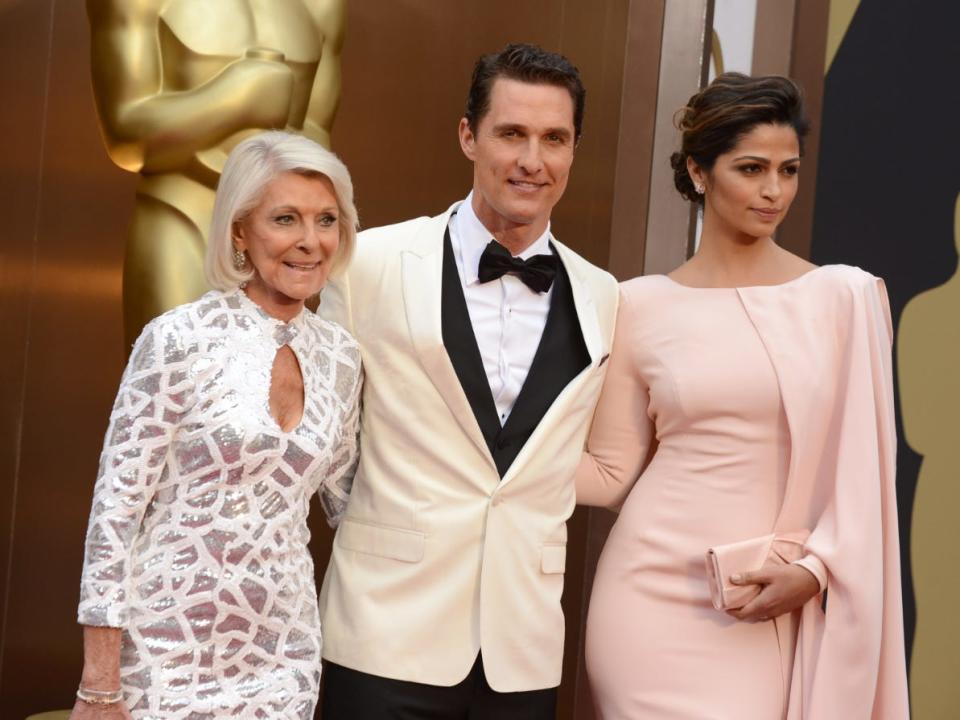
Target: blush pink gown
(692,437)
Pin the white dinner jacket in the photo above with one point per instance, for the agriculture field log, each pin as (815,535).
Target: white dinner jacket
(437,556)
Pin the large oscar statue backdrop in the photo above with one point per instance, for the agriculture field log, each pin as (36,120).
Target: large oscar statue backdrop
(178,83)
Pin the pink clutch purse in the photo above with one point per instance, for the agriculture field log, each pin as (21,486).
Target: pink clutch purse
(747,556)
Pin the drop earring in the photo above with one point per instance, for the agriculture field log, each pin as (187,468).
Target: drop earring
(239,259)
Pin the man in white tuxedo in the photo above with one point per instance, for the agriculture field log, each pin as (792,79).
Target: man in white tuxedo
(483,342)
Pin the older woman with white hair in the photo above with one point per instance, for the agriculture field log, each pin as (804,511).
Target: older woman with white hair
(198,597)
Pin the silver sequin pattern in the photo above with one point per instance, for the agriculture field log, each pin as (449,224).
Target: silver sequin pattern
(197,542)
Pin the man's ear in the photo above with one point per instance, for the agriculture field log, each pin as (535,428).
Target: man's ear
(467,139)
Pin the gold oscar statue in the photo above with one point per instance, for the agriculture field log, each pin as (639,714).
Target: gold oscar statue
(928,351)
(178,83)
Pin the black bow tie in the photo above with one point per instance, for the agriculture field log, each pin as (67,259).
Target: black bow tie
(536,272)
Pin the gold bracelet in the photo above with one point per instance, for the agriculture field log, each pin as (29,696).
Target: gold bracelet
(99,697)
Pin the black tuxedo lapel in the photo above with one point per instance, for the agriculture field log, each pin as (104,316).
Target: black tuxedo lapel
(560,357)
(461,344)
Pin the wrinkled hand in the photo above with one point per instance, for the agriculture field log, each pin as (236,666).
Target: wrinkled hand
(785,588)
(86,711)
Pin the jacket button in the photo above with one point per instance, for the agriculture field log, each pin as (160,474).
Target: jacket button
(496,500)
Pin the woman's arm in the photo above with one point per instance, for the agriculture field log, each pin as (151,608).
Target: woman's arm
(621,439)
(869,409)
(101,672)
(154,393)
(336,485)
(101,658)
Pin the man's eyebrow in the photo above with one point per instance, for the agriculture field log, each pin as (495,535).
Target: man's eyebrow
(565,132)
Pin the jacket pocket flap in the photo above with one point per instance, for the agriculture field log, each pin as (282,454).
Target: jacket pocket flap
(394,543)
(553,559)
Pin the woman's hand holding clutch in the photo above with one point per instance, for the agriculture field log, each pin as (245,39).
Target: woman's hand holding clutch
(762,577)
(784,589)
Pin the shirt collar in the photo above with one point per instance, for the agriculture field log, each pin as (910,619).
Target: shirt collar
(473,237)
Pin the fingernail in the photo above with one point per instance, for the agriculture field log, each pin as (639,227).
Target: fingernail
(736,577)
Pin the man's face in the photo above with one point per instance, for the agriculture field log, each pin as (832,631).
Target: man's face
(521,152)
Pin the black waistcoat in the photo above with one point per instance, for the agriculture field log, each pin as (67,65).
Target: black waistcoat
(560,357)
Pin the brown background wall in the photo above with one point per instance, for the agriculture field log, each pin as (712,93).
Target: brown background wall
(65,210)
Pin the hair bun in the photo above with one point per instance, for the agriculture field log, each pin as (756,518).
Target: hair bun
(681,178)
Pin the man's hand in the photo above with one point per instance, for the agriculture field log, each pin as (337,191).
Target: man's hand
(785,588)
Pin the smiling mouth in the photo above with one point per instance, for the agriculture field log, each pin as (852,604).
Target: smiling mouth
(304,267)
(526,184)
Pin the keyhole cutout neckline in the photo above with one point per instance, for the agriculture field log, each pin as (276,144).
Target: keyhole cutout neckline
(286,396)
(286,400)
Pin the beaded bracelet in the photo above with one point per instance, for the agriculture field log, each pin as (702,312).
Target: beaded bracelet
(99,697)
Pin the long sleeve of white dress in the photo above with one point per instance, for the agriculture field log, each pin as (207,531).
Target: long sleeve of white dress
(155,391)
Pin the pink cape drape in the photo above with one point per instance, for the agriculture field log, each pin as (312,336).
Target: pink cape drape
(829,338)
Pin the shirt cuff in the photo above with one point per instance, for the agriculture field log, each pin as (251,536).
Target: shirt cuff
(816,567)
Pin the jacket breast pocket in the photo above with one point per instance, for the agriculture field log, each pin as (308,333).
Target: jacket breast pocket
(553,558)
(387,542)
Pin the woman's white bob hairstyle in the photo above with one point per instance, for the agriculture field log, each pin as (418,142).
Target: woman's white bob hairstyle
(251,166)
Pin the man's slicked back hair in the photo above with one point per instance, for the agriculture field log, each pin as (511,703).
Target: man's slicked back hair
(525,63)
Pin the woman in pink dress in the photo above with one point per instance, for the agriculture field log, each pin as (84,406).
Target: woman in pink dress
(748,405)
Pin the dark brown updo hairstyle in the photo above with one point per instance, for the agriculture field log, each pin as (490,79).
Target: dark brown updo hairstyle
(715,119)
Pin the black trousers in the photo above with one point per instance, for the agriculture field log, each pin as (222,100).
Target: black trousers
(352,695)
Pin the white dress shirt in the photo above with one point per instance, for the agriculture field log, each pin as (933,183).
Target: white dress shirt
(508,318)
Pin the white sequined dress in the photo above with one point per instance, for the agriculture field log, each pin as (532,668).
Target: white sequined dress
(197,543)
